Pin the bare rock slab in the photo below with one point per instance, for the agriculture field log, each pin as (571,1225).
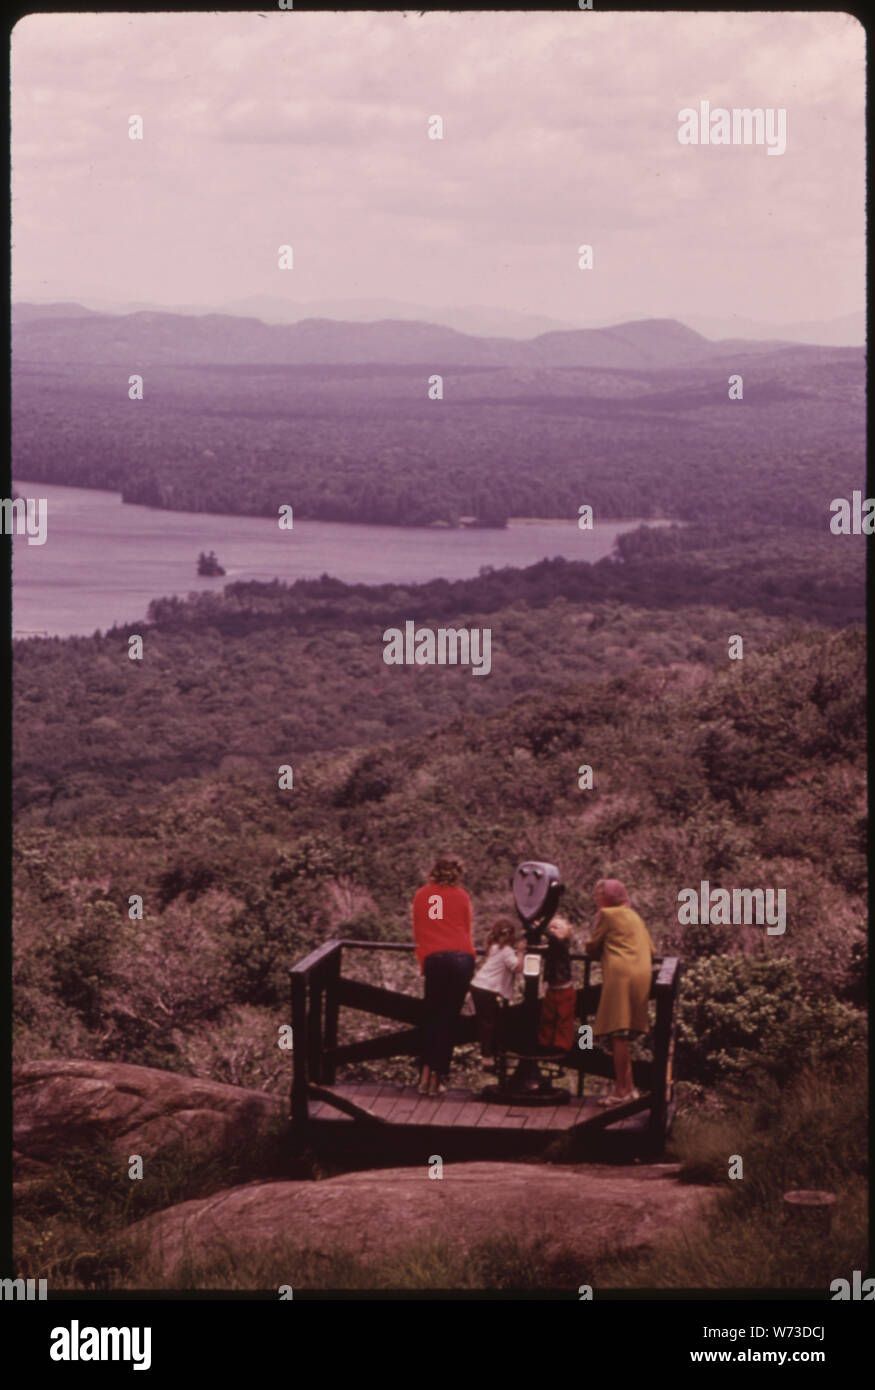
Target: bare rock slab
(583,1208)
(60,1105)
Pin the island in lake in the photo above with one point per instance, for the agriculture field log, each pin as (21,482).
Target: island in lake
(208,564)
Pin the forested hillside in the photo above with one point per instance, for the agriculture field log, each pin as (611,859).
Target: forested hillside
(335,419)
(157,338)
(750,775)
(267,674)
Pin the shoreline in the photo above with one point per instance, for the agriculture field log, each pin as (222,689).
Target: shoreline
(30,486)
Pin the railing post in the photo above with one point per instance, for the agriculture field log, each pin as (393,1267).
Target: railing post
(663,1038)
(660,1062)
(300,1071)
(314,1028)
(581,1070)
(332,1011)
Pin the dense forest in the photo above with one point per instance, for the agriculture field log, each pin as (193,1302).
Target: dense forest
(748,773)
(266,674)
(550,428)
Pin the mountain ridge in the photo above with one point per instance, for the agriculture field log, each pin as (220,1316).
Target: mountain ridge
(844,330)
(154,336)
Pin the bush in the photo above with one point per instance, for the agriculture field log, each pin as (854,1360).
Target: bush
(83,961)
(738,1013)
(370,780)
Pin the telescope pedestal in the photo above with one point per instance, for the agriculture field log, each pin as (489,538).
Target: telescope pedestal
(527,1086)
(537,890)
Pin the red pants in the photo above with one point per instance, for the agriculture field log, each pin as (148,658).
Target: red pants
(556,1023)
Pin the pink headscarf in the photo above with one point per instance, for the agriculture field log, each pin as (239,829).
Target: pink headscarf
(615,893)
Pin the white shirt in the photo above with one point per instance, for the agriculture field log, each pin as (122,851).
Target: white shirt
(497,971)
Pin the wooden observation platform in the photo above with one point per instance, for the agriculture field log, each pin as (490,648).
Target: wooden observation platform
(386,1123)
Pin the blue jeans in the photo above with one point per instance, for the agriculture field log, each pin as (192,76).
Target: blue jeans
(447,976)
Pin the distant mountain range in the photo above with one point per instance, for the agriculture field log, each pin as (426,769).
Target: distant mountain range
(478,320)
(634,419)
(849,330)
(72,334)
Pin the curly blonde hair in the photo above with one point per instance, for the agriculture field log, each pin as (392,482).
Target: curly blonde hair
(561,927)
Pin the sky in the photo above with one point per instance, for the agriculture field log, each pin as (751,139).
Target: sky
(311,130)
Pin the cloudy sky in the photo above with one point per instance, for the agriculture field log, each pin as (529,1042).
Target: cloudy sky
(559,128)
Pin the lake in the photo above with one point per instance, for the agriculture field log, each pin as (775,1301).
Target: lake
(104,561)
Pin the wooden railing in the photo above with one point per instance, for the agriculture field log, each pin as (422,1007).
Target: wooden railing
(319,990)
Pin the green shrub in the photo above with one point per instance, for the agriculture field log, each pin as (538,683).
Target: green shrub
(370,780)
(738,1013)
(83,961)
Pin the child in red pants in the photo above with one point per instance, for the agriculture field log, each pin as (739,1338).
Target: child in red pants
(556,1022)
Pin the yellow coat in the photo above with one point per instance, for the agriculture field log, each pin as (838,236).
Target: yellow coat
(623,944)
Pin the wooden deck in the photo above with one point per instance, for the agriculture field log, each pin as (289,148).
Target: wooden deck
(374,1122)
(457,1109)
(378,1112)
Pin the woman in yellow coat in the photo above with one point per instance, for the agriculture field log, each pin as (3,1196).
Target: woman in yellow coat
(622,943)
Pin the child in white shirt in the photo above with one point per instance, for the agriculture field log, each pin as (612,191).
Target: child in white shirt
(494,982)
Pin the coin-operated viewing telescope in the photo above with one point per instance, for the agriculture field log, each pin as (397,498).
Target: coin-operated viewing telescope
(537,888)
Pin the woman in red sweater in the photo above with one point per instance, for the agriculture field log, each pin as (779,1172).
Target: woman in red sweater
(445,947)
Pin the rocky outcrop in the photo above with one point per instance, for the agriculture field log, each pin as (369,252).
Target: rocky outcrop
(582,1209)
(61,1105)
